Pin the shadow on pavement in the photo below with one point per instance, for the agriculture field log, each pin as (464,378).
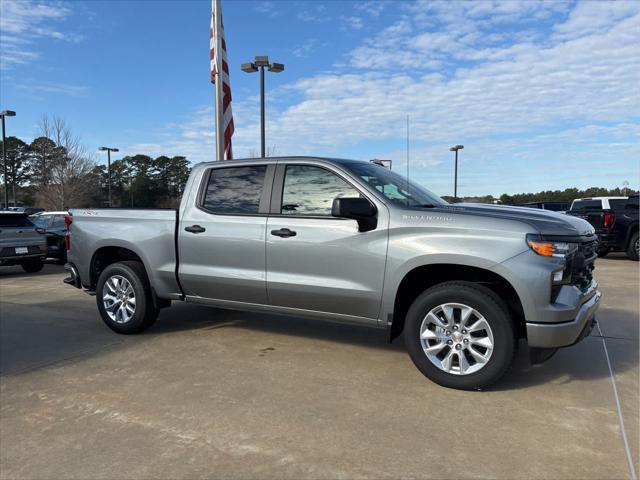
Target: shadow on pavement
(40,335)
(583,362)
(51,267)
(615,256)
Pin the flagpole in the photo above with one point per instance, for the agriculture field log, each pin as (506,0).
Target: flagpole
(216,6)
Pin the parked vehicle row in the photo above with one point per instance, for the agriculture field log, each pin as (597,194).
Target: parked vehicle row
(55,230)
(352,242)
(615,220)
(29,239)
(21,242)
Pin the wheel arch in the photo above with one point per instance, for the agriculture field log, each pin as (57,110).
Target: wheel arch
(108,255)
(423,277)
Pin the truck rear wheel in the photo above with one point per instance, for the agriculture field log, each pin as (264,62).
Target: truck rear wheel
(460,335)
(634,247)
(124,298)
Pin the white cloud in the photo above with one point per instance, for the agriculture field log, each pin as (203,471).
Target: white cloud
(590,18)
(267,8)
(24,21)
(305,48)
(372,7)
(318,13)
(51,88)
(353,22)
(515,96)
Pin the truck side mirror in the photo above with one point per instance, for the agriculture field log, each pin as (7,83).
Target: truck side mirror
(359,209)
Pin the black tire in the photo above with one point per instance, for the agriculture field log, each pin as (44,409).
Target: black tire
(632,248)
(32,265)
(63,252)
(145,313)
(485,302)
(603,251)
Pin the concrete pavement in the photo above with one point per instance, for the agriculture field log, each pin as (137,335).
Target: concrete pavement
(211,393)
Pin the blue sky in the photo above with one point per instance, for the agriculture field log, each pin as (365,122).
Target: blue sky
(544,95)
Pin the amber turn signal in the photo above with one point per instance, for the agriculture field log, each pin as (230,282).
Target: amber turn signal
(542,248)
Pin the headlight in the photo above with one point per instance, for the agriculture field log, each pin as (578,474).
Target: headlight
(550,248)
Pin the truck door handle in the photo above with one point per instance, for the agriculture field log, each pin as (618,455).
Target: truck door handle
(283,232)
(195,229)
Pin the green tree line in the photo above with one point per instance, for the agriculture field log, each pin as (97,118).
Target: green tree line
(567,196)
(55,172)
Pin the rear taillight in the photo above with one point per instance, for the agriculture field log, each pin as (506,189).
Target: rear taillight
(609,219)
(68,220)
(41,231)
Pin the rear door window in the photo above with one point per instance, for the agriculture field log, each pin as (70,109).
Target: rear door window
(235,190)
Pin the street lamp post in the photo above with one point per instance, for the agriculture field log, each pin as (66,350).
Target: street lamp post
(261,62)
(108,150)
(5,113)
(455,182)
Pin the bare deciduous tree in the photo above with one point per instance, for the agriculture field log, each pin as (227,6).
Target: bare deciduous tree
(271,152)
(62,182)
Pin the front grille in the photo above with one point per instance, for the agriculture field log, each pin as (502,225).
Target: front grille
(11,251)
(582,264)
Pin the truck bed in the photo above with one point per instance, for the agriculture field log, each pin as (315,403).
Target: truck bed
(148,233)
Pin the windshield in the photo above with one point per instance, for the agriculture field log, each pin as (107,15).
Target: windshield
(393,186)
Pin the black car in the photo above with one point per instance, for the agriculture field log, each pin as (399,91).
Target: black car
(616,226)
(553,206)
(55,228)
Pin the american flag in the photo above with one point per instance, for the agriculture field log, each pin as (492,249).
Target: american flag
(219,63)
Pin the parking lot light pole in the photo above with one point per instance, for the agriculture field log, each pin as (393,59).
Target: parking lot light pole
(5,113)
(260,63)
(108,150)
(455,181)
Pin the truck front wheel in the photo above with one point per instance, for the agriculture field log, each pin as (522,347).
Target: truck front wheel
(460,335)
(633,250)
(124,298)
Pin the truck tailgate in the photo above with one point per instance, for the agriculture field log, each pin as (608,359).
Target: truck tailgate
(594,217)
(148,233)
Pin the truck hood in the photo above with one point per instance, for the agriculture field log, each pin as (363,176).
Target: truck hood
(545,222)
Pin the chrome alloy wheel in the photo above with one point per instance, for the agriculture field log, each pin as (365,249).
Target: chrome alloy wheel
(119,299)
(456,338)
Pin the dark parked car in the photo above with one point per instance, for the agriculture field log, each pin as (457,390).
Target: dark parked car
(615,221)
(553,206)
(21,242)
(55,230)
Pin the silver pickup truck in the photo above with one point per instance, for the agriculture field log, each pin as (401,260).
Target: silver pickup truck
(348,241)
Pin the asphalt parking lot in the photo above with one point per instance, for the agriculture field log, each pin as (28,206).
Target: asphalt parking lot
(211,393)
